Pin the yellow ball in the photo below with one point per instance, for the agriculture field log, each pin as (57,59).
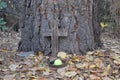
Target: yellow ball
(57,62)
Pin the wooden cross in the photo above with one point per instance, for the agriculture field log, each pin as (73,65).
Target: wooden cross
(55,33)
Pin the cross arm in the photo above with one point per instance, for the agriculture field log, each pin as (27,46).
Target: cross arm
(60,33)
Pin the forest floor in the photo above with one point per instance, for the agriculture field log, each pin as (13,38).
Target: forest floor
(101,64)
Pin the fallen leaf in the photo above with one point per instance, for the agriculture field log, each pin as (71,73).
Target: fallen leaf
(108,68)
(79,65)
(116,50)
(99,63)
(103,25)
(34,77)
(115,72)
(91,66)
(70,62)
(94,77)
(1,60)
(46,73)
(40,53)
(90,53)
(85,75)
(22,75)
(99,53)
(116,56)
(42,78)
(117,62)
(82,65)
(72,69)
(76,59)
(68,56)
(105,73)
(13,67)
(62,55)
(4,69)
(78,78)
(89,58)
(9,77)
(106,78)
(4,51)
(70,74)
(61,71)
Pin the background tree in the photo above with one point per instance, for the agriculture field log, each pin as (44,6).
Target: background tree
(115,14)
(76,23)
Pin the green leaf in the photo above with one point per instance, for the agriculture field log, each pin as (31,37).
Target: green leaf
(1,19)
(3,23)
(3,5)
(4,28)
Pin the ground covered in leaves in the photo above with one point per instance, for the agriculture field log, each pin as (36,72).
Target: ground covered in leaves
(101,64)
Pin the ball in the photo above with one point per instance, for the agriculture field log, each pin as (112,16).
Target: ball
(57,62)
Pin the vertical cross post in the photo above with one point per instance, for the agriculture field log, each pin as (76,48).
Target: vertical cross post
(55,33)
(54,38)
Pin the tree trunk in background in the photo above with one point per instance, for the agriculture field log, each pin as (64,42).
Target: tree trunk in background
(78,17)
(115,14)
(96,19)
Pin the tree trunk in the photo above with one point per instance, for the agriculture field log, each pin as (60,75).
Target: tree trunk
(61,25)
(115,14)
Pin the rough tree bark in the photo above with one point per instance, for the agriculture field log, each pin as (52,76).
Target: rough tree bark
(77,17)
(115,14)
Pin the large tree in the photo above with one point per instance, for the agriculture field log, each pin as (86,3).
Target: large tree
(60,25)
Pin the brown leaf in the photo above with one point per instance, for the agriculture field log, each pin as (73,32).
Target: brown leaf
(89,58)
(90,53)
(99,53)
(117,62)
(115,72)
(62,55)
(43,78)
(9,77)
(106,78)
(99,63)
(77,58)
(13,67)
(40,53)
(70,74)
(70,62)
(34,77)
(94,77)
(82,65)
(91,66)
(78,78)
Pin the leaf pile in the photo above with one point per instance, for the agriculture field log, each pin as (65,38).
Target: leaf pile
(96,65)
(101,64)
